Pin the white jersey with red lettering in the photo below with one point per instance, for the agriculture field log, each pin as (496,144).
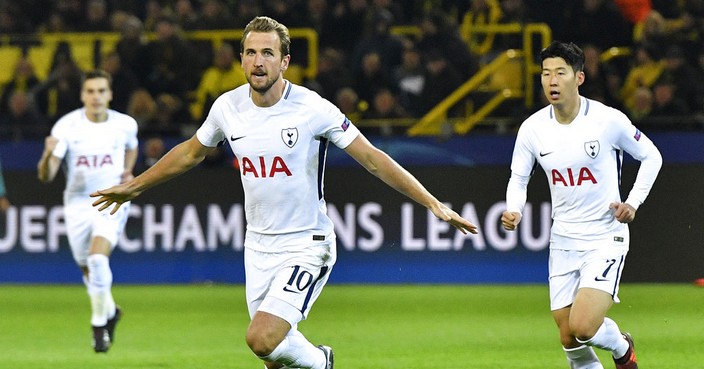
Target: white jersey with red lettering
(93,153)
(94,159)
(281,153)
(582,161)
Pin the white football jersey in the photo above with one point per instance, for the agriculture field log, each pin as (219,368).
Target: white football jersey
(582,161)
(281,152)
(93,153)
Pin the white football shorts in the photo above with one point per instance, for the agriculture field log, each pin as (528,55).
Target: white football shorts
(83,222)
(571,270)
(286,284)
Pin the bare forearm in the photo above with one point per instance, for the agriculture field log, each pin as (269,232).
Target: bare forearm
(45,170)
(178,160)
(398,178)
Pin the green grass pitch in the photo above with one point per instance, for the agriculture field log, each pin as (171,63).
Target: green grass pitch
(369,327)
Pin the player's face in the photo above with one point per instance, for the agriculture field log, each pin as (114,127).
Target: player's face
(560,82)
(262,61)
(96,96)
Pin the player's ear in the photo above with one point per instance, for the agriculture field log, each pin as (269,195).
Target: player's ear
(580,77)
(284,62)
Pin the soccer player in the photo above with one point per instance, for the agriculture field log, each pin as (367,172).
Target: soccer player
(279,133)
(98,148)
(579,143)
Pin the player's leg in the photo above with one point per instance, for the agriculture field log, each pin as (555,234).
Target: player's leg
(105,314)
(564,281)
(277,308)
(579,356)
(598,291)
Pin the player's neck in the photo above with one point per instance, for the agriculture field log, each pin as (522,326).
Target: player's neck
(97,117)
(567,111)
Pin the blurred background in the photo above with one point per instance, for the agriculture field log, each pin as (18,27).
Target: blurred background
(442,86)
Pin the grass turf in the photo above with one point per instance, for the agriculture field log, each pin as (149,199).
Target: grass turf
(410,327)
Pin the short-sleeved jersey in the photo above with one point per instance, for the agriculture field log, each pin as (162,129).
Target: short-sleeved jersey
(582,161)
(93,153)
(281,152)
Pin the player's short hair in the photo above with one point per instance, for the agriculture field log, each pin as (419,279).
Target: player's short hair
(97,73)
(569,51)
(264,25)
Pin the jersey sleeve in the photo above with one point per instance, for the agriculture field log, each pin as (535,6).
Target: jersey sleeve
(132,141)
(332,124)
(631,140)
(60,132)
(210,133)
(523,159)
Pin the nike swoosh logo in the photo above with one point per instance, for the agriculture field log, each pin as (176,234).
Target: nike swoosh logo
(600,279)
(233,138)
(289,290)
(543,154)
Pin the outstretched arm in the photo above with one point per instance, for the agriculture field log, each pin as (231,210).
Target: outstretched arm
(385,168)
(180,159)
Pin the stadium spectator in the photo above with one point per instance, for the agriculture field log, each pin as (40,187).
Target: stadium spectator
(381,41)
(24,79)
(441,79)
(153,12)
(131,47)
(96,17)
(99,148)
(332,74)
(225,74)
(385,108)
(371,77)
(59,93)
(169,119)
(642,105)
(667,101)
(23,120)
(13,20)
(646,69)
(142,107)
(124,83)
(284,206)
(684,76)
(172,61)
(350,16)
(589,238)
(350,105)
(214,15)
(154,148)
(440,36)
(598,78)
(186,15)
(409,79)
(245,10)
(598,22)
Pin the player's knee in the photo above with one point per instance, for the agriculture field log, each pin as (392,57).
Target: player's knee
(259,344)
(583,331)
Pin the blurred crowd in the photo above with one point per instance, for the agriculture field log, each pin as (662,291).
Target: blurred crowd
(168,82)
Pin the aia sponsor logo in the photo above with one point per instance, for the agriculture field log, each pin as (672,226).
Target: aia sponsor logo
(572,177)
(262,168)
(93,161)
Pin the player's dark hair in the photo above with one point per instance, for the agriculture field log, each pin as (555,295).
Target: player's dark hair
(264,25)
(97,73)
(570,52)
